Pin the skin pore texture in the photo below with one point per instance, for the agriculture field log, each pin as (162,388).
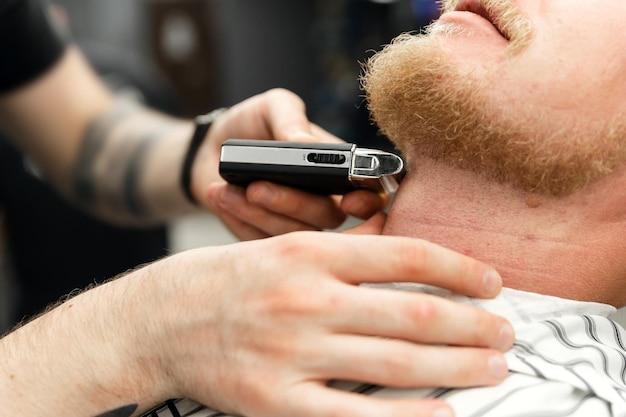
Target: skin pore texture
(512,123)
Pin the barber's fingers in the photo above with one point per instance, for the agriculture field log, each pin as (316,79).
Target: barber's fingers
(372,226)
(283,114)
(240,229)
(416,317)
(287,210)
(286,116)
(313,399)
(276,114)
(323,135)
(363,204)
(246,220)
(320,211)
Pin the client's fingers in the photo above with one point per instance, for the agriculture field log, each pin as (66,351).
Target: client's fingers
(316,400)
(393,259)
(402,364)
(416,317)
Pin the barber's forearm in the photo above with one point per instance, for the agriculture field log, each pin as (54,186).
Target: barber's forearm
(129,166)
(119,161)
(72,362)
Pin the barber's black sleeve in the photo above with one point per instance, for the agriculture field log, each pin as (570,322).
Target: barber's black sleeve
(30,41)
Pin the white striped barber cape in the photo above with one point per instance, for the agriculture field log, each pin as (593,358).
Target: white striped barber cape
(569,359)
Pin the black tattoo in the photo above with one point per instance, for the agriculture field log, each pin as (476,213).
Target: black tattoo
(125,411)
(132,192)
(95,136)
(108,172)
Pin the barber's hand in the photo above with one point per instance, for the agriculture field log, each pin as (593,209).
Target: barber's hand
(259,328)
(265,209)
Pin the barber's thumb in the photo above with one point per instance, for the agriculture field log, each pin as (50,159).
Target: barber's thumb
(301,135)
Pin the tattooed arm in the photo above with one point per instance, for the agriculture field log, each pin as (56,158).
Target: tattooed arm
(122,161)
(116,159)
(129,164)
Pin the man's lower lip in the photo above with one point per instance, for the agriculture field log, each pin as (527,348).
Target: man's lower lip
(471,20)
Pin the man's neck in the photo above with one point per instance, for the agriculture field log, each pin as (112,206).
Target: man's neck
(571,247)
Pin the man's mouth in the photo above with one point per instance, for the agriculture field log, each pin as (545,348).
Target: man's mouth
(478,7)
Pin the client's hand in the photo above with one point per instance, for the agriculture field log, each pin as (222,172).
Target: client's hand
(265,209)
(267,324)
(259,329)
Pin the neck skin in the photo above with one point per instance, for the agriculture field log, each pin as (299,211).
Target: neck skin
(571,247)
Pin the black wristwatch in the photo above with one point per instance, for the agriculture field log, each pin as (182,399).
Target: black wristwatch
(203,124)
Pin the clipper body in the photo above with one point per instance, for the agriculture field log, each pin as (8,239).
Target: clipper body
(315,167)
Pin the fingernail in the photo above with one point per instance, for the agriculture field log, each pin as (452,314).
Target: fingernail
(492,282)
(498,368)
(506,337)
(442,412)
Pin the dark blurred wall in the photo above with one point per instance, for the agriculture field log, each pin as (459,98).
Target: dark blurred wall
(185,57)
(310,47)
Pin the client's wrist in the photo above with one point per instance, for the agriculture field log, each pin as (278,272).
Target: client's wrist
(84,357)
(121,358)
(143,344)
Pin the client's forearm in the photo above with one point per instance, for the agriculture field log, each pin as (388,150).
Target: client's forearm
(81,359)
(128,168)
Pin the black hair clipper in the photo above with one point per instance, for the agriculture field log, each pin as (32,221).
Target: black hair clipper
(320,168)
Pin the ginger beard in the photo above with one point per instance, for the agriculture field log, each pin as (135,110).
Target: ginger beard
(424,102)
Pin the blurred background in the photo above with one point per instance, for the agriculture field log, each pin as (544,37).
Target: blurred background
(186,57)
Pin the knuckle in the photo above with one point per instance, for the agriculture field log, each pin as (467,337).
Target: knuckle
(470,274)
(486,328)
(291,247)
(284,302)
(295,300)
(415,258)
(292,205)
(425,312)
(303,245)
(278,95)
(257,395)
(451,366)
(474,370)
(278,92)
(397,367)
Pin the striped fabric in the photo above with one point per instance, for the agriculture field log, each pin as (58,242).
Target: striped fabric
(569,359)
